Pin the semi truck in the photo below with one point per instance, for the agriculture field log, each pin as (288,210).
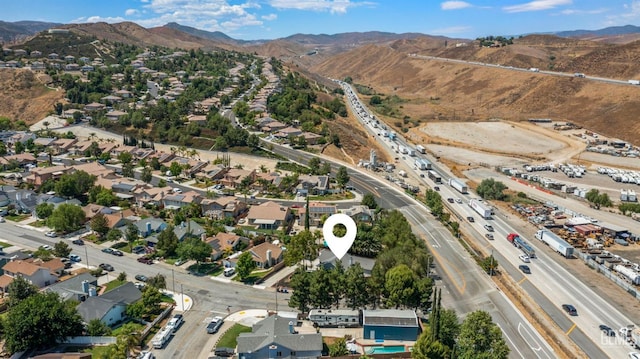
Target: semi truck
(483,211)
(435,177)
(423,164)
(411,152)
(556,243)
(402,149)
(631,334)
(458,185)
(421,149)
(520,243)
(634,82)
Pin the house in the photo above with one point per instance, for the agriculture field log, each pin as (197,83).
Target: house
(22,159)
(273,126)
(268,215)
(149,226)
(179,200)
(266,255)
(329,261)
(188,229)
(289,132)
(223,207)
(63,145)
(75,288)
(318,212)
(314,185)
(311,138)
(234,177)
(360,213)
(123,93)
(111,99)
(275,337)
(149,196)
(201,119)
(223,242)
(115,115)
(94,106)
(33,273)
(70,113)
(390,324)
(35,53)
(37,176)
(110,307)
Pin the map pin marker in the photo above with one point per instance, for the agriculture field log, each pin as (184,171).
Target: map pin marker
(339,245)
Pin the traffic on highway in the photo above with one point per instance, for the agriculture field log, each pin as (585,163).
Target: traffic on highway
(544,279)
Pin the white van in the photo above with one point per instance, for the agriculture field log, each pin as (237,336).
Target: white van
(146,355)
(228,272)
(524,258)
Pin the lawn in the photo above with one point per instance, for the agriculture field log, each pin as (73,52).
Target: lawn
(4,244)
(254,277)
(212,269)
(17,217)
(139,327)
(333,197)
(114,284)
(97,351)
(229,338)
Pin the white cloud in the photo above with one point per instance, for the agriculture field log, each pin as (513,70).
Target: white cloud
(537,5)
(130,12)
(454,5)
(450,30)
(269,17)
(333,6)
(96,18)
(580,12)
(631,13)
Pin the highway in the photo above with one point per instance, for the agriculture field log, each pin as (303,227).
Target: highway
(550,285)
(537,71)
(467,286)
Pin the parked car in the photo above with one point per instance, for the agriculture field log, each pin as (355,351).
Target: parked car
(2,220)
(106,266)
(137,249)
(78,242)
(51,234)
(107,250)
(525,269)
(140,277)
(488,227)
(75,258)
(224,352)
(570,309)
(175,322)
(180,262)
(215,325)
(116,252)
(145,260)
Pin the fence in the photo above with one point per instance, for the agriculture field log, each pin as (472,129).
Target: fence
(88,341)
(158,319)
(611,275)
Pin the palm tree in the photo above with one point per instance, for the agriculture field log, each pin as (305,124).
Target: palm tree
(92,136)
(264,169)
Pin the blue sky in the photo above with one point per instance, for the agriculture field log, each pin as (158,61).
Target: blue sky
(270,19)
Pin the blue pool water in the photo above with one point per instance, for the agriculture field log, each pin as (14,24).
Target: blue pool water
(385,350)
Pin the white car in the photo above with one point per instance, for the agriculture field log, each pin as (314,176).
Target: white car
(46,247)
(51,234)
(525,258)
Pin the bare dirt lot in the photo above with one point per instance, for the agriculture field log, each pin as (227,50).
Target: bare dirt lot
(473,158)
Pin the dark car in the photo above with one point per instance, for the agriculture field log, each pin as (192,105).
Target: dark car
(525,269)
(107,250)
(106,266)
(215,325)
(78,242)
(140,277)
(224,352)
(607,330)
(116,252)
(138,249)
(470,219)
(145,260)
(570,309)
(436,188)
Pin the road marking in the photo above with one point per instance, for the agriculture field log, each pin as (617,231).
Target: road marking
(536,350)
(522,280)
(572,328)
(511,341)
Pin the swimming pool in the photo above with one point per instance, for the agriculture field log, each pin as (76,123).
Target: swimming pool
(383,349)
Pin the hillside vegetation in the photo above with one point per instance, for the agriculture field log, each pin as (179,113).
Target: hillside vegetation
(24,97)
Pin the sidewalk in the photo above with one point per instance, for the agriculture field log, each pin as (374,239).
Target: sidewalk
(183,301)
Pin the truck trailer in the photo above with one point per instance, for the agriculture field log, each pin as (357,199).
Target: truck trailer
(631,334)
(556,243)
(458,185)
(411,152)
(629,273)
(634,82)
(481,208)
(435,177)
(421,149)
(520,243)
(423,164)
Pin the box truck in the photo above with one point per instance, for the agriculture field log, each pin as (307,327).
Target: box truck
(435,177)
(556,243)
(421,149)
(458,185)
(483,210)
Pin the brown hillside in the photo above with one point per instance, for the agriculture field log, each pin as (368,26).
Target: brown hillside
(613,61)
(469,92)
(24,97)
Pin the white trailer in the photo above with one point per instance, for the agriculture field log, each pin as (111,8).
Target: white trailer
(161,338)
(481,208)
(629,273)
(458,185)
(403,149)
(402,173)
(631,195)
(421,149)
(556,243)
(420,165)
(634,82)
(411,152)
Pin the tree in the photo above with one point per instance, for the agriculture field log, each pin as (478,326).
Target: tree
(125,157)
(44,210)
(131,234)
(342,177)
(122,276)
(43,254)
(338,348)
(427,348)
(489,265)
(369,200)
(175,169)
(40,321)
(449,327)
(66,218)
(303,246)
(314,164)
(146,175)
(598,199)
(481,338)
(399,286)
(114,235)
(158,281)
(356,290)
(20,289)
(168,241)
(195,249)
(74,184)
(245,265)
(100,224)
(301,296)
(97,328)
(492,189)
(320,288)
(61,249)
